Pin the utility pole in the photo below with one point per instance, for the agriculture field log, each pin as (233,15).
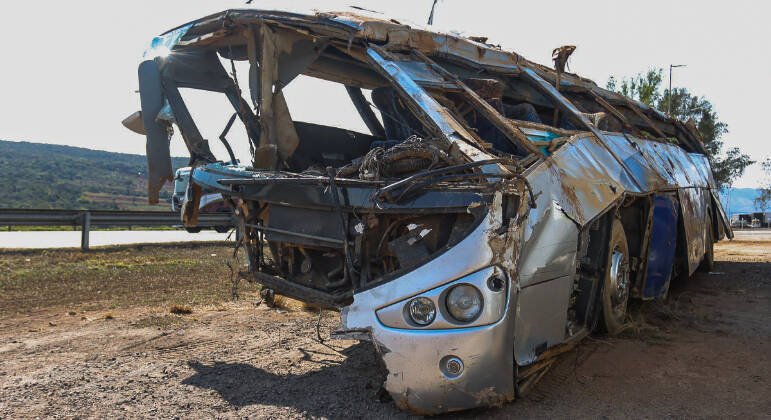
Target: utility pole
(669,102)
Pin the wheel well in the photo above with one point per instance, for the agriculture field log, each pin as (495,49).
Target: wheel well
(680,269)
(636,217)
(584,309)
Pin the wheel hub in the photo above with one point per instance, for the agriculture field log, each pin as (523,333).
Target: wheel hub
(619,278)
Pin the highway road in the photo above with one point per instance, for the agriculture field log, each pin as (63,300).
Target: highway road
(71,239)
(752,235)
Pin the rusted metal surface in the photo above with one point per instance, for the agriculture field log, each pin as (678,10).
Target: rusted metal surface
(487,177)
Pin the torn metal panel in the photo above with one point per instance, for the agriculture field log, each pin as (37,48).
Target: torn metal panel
(162,45)
(582,177)
(701,164)
(693,208)
(463,259)
(549,243)
(646,175)
(422,74)
(267,154)
(158,136)
(134,123)
(435,113)
(725,226)
(541,318)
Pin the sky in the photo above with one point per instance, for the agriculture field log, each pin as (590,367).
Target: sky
(69,75)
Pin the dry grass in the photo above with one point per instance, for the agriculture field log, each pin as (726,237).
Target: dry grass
(115,277)
(162,321)
(284,302)
(180,309)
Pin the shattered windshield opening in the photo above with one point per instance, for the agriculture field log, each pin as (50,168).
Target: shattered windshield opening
(310,147)
(398,143)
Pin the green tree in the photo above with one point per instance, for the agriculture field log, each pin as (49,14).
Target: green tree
(641,87)
(691,109)
(729,167)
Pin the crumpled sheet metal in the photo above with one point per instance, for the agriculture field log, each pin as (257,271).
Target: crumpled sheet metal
(347,25)
(161,45)
(414,377)
(371,28)
(701,163)
(549,242)
(541,318)
(545,270)
(584,178)
(159,168)
(403,77)
(573,186)
(723,228)
(642,169)
(436,113)
(693,208)
(344,27)
(674,163)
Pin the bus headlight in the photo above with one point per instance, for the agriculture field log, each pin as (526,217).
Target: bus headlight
(464,302)
(422,311)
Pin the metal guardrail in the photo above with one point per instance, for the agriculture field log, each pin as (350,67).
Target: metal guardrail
(105,218)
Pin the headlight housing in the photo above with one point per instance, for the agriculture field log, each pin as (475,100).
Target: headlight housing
(464,302)
(421,310)
(491,282)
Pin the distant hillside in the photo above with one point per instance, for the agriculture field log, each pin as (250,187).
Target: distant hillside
(36,175)
(741,200)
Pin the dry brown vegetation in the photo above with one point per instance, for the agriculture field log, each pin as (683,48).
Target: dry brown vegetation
(115,277)
(181,309)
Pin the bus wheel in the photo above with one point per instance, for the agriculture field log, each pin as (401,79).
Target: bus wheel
(222,229)
(193,229)
(615,290)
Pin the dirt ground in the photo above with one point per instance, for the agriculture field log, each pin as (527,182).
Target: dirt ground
(704,352)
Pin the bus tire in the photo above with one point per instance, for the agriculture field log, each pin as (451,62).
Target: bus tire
(617,282)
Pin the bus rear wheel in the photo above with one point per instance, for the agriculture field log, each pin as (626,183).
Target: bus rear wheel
(616,285)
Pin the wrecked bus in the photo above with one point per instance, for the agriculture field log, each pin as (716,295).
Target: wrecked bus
(497,211)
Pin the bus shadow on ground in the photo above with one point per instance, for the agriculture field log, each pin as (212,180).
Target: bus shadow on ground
(359,376)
